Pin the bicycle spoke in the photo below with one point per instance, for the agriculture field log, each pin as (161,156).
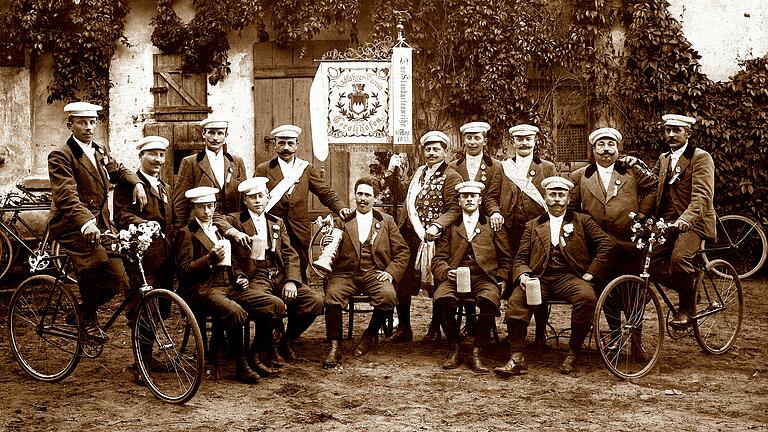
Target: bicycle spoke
(719,308)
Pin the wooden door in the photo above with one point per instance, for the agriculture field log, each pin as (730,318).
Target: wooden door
(282,79)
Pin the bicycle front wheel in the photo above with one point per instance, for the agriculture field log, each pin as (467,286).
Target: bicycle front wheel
(43,328)
(168,346)
(742,242)
(628,327)
(719,307)
(6,254)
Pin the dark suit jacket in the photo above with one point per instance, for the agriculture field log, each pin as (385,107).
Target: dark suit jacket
(195,170)
(492,171)
(79,194)
(390,252)
(158,258)
(516,206)
(587,249)
(491,250)
(293,209)
(631,189)
(691,194)
(196,276)
(285,257)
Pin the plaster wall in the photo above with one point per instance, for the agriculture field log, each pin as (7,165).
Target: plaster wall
(15,118)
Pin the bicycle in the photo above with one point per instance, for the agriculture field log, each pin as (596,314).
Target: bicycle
(46,252)
(741,241)
(628,312)
(48,338)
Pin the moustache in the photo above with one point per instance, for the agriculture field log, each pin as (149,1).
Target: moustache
(606,153)
(287,152)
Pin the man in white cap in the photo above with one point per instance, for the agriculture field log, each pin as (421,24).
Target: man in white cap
(81,172)
(684,197)
(273,267)
(291,179)
(158,258)
(371,258)
(470,244)
(214,167)
(431,202)
(569,254)
(475,164)
(212,282)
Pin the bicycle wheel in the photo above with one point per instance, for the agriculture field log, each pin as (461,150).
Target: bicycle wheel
(63,265)
(628,327)
(168,346)
(43,328)
(741,241)
(6,254)
(719,307)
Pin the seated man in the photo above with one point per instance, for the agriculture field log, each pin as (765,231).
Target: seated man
(567,252)
(372,255)
(273,266)
(209,283)
(470,243)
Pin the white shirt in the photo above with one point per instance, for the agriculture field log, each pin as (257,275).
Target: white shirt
(88,150)
(555,222)
(364,222)
(429,171)
(260,224)
(153,181)
(217,165)
(473,165)
(524,163)
(675,156)
(470,222)
(605,175)
(209,229)
(288,168)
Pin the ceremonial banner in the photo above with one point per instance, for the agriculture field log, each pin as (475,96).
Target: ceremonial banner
(402,96)
(350,104)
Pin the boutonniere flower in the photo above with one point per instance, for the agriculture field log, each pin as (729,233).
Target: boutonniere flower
(378,225)
(618,182)
(677,169)
(477,230)
(532,173)
(567,230)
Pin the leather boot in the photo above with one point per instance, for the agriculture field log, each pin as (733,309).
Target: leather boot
(684,287)
(433,333)
(402,334)
(257,365)
(454,360)
(477,362)
(244,373)
(638,352)
(333,358)
(273,352)
(569,363)
(517,365)
(367,341)
(287,350)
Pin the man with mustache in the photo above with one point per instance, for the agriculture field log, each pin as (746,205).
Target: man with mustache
(568,253)
(371,258)
(685,198)
(291,179)
(214,167)
(431,202)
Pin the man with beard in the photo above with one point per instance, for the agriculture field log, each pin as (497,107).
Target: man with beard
(566,252)
(290,181)
(431,203)
(371,257)
(684,195)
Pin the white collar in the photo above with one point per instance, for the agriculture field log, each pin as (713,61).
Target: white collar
(215,156)
(474,159)
(153,181)
(676,153)
(470,222)
(524,161)
(259,223)
(607,170)
(364,222)
(555,223)
(430,170)
(82,144)
(206,227)
(287,165)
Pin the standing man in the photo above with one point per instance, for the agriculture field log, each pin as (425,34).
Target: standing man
(272,265)
(80,172)
(431,203)
(214,167)
(290,181)
(685,198)
(569,254)
(470,243)
(371,257)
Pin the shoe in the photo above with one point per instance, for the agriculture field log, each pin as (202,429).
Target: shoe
(402,334)
(517,365)
(287,351)
(366,343)
(433,333)
(256,365)
(333,358)
(244,373)
(138,377)
(569,364)
(681,321)
(94,332)
(453,361)
(477,362)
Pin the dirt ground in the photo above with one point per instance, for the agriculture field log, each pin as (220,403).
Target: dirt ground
(403,388)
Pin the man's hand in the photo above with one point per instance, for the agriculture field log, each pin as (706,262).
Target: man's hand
(681,225)
(290,290)
(432,232)
(523,279)
(242,239)
(385,277)
(346,212)
(242,282)
(452,275)
(395,162)
(629,160)
(92,233)
(497,221)
(139,195)
(588,277)
(216,255)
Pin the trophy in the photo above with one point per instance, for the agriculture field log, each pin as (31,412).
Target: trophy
(329,242)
